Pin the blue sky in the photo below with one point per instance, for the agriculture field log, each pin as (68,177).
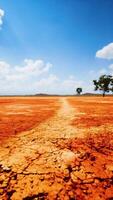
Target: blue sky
(54,46)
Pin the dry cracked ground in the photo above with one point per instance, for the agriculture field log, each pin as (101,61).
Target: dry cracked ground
(57,160)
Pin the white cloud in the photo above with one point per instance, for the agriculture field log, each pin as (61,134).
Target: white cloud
(31,68)
(4,68)
(102,71)
(1,17)
(106,52)
(15,77)
(52,84)
(111,67)
(34,77)
(47,82)
(92,72)
(71,77)
(21,79)
(71,83)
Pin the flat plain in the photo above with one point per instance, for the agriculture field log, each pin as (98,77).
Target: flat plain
(56,148)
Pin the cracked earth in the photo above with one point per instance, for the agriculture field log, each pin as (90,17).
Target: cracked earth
(56,160)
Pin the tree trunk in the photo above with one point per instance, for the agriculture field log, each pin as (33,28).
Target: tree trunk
(104,94)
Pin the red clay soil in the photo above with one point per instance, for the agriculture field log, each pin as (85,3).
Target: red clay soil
(59,164)
(93,111)
(24,113)
(91,173)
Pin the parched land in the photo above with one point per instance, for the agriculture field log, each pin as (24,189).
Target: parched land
(19,114)
(56,148)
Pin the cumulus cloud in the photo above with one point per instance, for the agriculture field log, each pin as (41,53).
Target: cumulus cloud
(32,77)
(20,79)
(1,17)
(35,67)
(30,68)
(106,52)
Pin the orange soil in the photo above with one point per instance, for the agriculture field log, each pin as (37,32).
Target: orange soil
(92,111)
(91,173)
(93,178)
(59,161)
(20,114)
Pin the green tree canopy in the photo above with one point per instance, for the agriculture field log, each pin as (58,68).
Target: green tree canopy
(79,90)
(104,83)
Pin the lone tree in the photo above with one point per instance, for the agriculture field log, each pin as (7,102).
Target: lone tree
(79,91)
(104,83)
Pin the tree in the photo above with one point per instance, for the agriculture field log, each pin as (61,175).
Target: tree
(79,90)
(104,83)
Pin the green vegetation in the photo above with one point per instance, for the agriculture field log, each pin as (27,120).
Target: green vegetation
(79,91)
(104,84)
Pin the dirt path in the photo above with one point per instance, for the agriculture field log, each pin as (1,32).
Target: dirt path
(31,162)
